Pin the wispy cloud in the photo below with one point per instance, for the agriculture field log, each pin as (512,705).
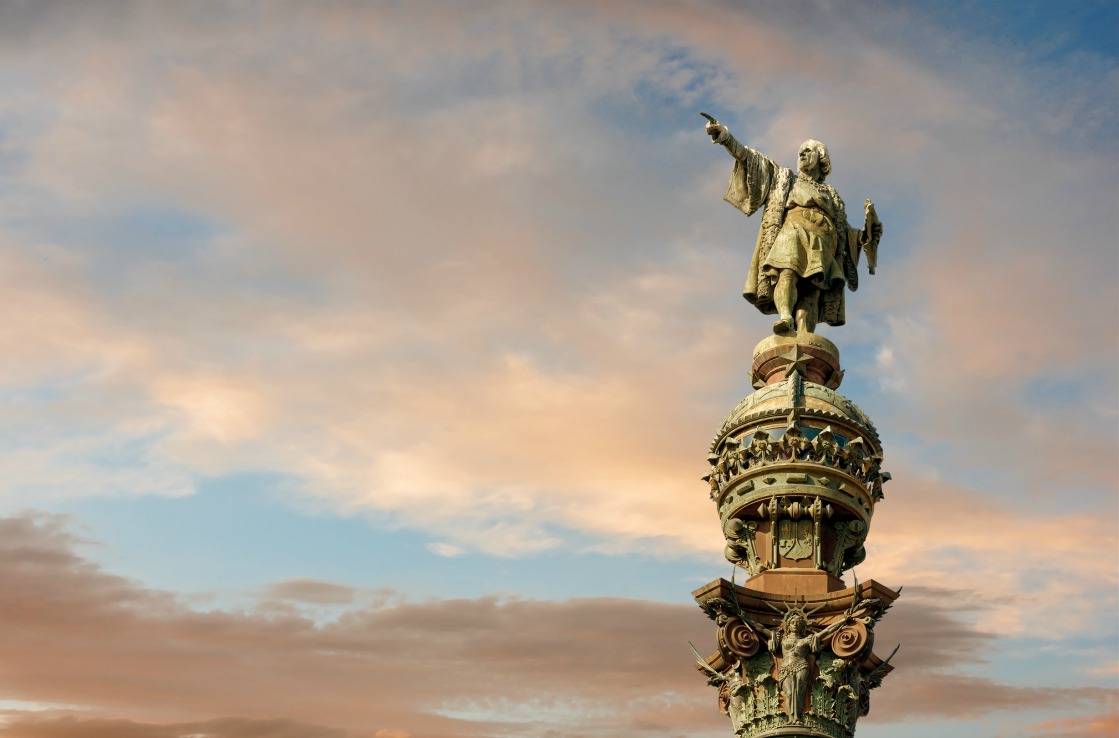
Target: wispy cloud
(465,271)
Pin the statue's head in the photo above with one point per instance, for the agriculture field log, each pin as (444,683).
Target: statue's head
(813,156)
(798,625)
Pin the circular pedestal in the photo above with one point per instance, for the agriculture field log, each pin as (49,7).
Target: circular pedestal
(814,357)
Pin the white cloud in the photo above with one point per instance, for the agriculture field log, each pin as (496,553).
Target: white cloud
(475,290)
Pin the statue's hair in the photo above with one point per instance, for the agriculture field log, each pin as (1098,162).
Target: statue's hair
(822,155)
(795,611)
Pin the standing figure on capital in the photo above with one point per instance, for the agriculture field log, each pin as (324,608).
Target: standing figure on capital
(806,251)
(795,646)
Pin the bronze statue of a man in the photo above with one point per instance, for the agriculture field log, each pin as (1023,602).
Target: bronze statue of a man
(806,251)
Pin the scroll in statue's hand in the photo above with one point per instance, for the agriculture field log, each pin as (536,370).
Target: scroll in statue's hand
(872,233)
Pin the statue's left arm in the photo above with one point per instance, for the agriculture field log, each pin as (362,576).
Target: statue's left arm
(766,632)
(829,631)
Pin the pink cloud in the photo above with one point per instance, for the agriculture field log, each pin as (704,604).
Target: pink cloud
(76,634)
(486,314)
(73,727)
(1096,726)
(1017,557)
(470,303)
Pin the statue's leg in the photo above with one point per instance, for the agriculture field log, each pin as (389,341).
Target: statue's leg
(808,307)
(798,688)
(788,689)
(785,298)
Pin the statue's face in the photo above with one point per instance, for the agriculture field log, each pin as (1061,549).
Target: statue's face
(808,160)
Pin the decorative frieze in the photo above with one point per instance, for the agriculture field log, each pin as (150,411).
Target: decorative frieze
(854,459)
(795,474)
(806,669)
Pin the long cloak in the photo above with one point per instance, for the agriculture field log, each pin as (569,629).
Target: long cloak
(757,182)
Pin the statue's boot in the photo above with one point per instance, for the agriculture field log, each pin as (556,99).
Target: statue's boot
(785,300)
(784,325)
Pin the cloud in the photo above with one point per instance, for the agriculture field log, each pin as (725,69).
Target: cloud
(467,272)
(312,591)
(942,643)
(85,637)
(453,293)
(973,697)
(606,667)
(353,317)
(1095,726)
(936,628)
(992,547)
(71,727)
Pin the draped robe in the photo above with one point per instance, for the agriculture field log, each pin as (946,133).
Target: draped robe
(828,246)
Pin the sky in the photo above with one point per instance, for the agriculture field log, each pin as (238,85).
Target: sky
(360,360)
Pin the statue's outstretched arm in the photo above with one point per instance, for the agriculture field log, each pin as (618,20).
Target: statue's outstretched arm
(831,629)
(756,626)
(720,134)
(823,634)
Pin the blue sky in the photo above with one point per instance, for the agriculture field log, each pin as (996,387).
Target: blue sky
(338,328)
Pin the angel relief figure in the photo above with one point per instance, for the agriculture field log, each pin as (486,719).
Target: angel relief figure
(806,252)
(795,644)
(736,693)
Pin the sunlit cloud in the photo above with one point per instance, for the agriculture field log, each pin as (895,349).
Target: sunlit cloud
(466,273)
(79,635)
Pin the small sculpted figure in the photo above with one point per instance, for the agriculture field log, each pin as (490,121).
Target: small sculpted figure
(806,252)
(827,448)
(731,458)
(761,450)
(795,646)
(869,468)
(796,445)
(741,455)
(734,686)
(718,474)
(857,695)
(712,479)
(833,676)
(741,692)
(852,455)
(876,485)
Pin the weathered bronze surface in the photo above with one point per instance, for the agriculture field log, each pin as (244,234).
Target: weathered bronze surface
(796,472)
(806,251)
(795,476)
